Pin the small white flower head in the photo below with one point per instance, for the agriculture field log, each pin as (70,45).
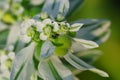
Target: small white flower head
(17,9)
(26,26)
(43,15)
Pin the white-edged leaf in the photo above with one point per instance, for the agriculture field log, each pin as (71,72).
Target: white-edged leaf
(81,45)
(23,65)
(53,7)
(74,4)
(47,49)
(45,71)
(81,65)
(12,36)
(89,56)
(63,71)
(3,37)
(75,27)
(86,43)
(94,30)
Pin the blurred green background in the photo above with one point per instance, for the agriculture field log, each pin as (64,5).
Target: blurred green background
(110,60)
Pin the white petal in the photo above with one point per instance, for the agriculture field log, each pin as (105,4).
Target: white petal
(39,26)
(56,26)
(43,36)
(25,38)
(47,21)
(68,25)
(75,27)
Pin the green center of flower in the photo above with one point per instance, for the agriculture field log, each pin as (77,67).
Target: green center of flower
(31,31)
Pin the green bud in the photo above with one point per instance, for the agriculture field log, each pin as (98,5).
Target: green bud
(65,42)
(60,17)
(44,15)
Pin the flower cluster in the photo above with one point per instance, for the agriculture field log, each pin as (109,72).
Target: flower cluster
(44,28)
(5,63)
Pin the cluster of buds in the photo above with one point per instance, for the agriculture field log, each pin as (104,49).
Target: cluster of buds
(45,28)
(6,59)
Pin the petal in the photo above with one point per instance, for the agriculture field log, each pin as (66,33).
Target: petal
(56,26)
(75,27)
(43,36)
(25,38)
(39,26)
(47,21)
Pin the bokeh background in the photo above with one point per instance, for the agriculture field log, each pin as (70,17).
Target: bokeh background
(110,60)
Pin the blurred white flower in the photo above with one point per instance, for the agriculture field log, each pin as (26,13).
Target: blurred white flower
(3,59)
(17,9)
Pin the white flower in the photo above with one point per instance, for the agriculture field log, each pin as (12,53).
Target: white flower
(24,28)
(17,9)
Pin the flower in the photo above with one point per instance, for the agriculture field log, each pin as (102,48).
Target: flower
(24,30)
(46,28)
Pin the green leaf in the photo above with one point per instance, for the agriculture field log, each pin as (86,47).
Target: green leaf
(3,37)
(95,30)
(47,49)
(53,7)
(64,72)
(82,66)
(81,45)
(74,4)
(23,65)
